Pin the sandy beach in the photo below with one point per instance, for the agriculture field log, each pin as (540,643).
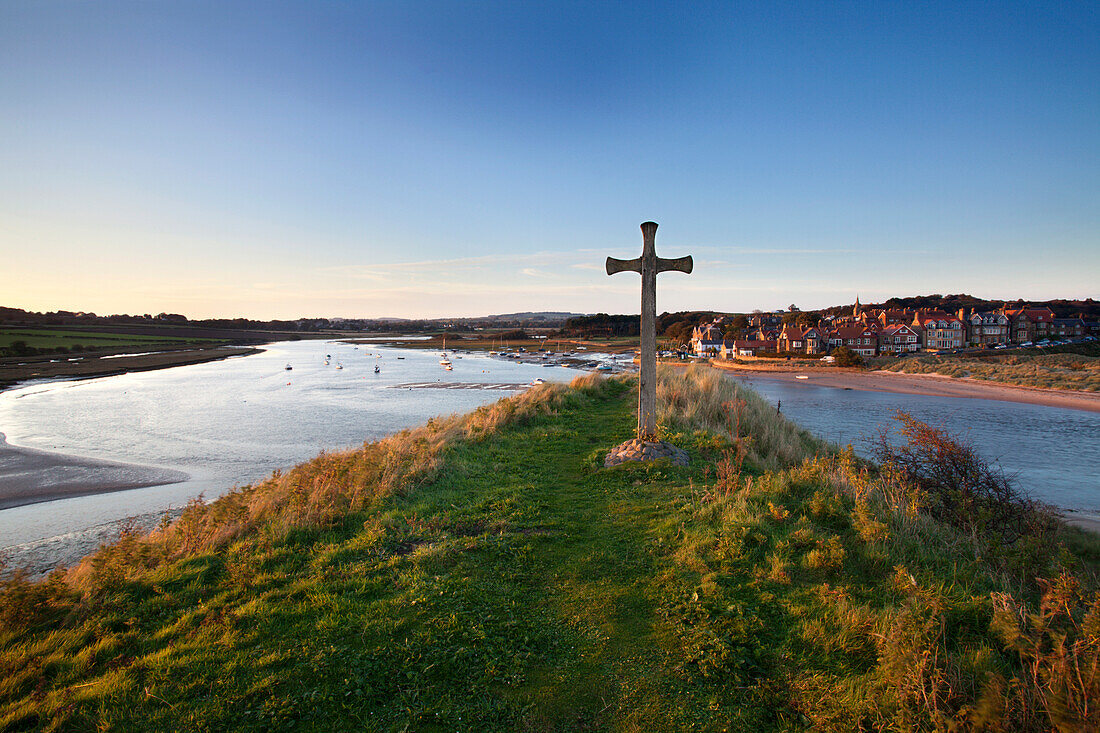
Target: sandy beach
(932,385)
(29,476)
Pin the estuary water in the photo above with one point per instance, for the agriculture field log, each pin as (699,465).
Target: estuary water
(1053,453)
(232,422)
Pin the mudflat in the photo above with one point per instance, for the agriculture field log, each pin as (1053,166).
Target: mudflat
(933,385)
(29,476)
(13,370)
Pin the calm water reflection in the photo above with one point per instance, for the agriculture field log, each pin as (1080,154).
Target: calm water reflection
(234,421)
(1054,452)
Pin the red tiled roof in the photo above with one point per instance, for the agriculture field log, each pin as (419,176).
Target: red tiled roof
(853,332)
(1040,315)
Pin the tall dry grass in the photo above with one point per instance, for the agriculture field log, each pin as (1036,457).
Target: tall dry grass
(700,398)
(322,491)
(1047,371)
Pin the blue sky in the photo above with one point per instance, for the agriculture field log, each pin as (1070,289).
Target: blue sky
(284,159)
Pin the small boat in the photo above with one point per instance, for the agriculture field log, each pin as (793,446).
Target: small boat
(377,369)
(400,357)
(288,367)
(537,381)
(339,366)
(603,368)
(449,368)
(445,362)
(800,376)
(326,362)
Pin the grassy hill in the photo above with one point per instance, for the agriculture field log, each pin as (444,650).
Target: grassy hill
(485,572)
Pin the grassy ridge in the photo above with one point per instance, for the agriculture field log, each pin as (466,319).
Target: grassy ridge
(485,572)
(1046,370)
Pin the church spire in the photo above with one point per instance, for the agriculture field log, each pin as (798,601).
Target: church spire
(855,308)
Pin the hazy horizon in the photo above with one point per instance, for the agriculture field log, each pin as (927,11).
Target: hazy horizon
(422,160)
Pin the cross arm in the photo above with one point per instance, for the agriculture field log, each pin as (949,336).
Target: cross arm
(680,264)
(613,265)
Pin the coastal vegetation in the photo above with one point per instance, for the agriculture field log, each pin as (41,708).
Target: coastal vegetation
(485,572)
(28,342)
(1079,371)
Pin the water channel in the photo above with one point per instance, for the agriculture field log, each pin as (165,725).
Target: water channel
(232,422)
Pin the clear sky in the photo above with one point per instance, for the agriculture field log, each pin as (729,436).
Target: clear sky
(284,159)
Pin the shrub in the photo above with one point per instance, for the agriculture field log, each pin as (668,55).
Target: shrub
(845,357)
(957,487)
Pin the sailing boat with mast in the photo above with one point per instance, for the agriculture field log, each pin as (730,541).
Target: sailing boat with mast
(445,361)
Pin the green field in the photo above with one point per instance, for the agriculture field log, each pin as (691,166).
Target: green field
(486,573)
(48,339)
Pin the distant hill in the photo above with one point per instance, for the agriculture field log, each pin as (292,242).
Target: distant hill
(546,315)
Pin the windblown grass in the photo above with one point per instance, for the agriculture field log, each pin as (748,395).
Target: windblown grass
(321,492)
(487,573)
(701,400)
(1047,371)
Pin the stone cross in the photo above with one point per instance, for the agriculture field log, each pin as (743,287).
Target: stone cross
(648,265)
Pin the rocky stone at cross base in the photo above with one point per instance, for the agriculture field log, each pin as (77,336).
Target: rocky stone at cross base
(637,449)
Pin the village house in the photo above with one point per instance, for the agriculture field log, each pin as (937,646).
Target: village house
(798,339)
(746,347)
(860,339)
(939,330)
(706,340)
(898,338)
(1069,328)
(1029,324)
(890,316)
(985,328)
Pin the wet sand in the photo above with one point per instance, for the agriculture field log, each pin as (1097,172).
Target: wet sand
(29,476)
(932,385)
(38,558)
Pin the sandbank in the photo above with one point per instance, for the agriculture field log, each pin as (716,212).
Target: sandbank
(29,476)
(932,385)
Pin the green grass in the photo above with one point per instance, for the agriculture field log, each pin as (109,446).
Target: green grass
(504,580)
(51,339)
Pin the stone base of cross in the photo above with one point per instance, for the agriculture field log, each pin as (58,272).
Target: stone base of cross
(646,446)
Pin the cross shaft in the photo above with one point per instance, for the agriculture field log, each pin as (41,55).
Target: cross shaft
(648,266)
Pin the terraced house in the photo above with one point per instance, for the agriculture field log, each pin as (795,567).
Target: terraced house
(1030,324)
(1069,328)
(939,330)
(985,328)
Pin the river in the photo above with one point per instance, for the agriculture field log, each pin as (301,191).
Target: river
(1053,453)
(232,422)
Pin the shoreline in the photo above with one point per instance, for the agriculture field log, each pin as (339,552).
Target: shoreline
(13,375)
(929,385)
(32,476)
(40,557)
